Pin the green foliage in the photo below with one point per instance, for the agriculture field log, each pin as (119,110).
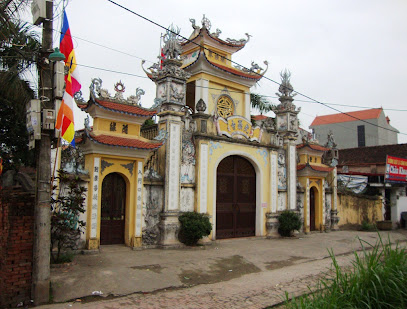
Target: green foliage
(194,226)
(289,221)
(366,226)
(149,122)
(260,103)
(19,47)
(378,279)
(66,227)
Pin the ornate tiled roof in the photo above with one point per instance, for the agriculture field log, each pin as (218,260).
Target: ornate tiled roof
(313,146)
(317,168)
(230,70)
(122,108)
(122,141)
(373,113)
(238,46)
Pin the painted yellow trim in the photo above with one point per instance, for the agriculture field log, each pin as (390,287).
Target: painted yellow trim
(102,126)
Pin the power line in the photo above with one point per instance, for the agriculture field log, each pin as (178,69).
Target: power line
(97,44)
(234,62)
(108,70)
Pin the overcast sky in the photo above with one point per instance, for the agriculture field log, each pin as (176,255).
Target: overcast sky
(343,51)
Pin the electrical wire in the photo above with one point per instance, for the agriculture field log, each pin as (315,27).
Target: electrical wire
(234,62)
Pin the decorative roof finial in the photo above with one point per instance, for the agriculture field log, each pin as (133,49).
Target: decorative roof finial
(285,89)
(172,47)
(206,23)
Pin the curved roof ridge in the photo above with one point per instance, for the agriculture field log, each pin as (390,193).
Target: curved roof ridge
(123,108)
(124,142)
(220,41)
(226,69)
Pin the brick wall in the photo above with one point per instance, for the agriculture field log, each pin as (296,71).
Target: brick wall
(16,246)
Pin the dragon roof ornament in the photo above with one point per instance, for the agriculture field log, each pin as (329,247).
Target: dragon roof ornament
(206,24)
(98,92)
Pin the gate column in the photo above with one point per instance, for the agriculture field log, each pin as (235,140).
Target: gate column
(171,90)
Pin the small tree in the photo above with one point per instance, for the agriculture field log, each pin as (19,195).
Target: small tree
(66,227)
(289,222)
(194,226)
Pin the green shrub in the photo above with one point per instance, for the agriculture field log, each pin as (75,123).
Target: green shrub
(289,222)
(194,226)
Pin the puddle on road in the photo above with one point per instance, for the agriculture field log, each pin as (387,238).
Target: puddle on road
(153,267)
(284,263)
(223,269)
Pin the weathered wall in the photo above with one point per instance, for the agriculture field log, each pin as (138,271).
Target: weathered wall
(353,210)
(16,246)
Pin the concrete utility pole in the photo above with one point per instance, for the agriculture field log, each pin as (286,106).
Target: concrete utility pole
(42,228)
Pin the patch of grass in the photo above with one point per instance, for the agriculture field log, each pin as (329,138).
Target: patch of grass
(378,279)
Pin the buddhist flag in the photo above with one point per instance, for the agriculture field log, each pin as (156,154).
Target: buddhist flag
(65,120)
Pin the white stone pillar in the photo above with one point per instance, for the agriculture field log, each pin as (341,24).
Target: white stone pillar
(292,176)
(203,175)
(247,105)
(273,181)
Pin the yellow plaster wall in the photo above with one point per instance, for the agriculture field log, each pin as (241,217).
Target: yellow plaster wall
(260,161)
(215,88)
(353,210)
(313,159)
(101,125)
(131,194)
(215,56)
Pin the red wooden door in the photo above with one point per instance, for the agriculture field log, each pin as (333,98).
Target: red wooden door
(113,210)
(235,198)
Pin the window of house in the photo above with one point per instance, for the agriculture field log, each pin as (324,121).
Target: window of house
(361,136)
(224,107)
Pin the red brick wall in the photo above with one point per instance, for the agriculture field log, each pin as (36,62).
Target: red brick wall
(16,246)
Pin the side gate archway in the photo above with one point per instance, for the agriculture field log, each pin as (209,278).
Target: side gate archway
(235,198)
(113,209)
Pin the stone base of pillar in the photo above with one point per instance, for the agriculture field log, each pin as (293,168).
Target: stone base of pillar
(92,244)
(136,243)
(334,220)
(272,225)
(205,241)
(40,292)
(169,228)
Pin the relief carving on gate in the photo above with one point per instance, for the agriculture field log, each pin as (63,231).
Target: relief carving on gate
(282,172)
(188,150)
(152,207)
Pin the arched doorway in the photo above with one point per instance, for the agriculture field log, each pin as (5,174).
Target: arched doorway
(112,220)
(235,198)
(312,205)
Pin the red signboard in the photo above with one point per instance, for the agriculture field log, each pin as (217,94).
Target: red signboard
(396,169)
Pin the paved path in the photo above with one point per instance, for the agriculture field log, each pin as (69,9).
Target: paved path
(244,273)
